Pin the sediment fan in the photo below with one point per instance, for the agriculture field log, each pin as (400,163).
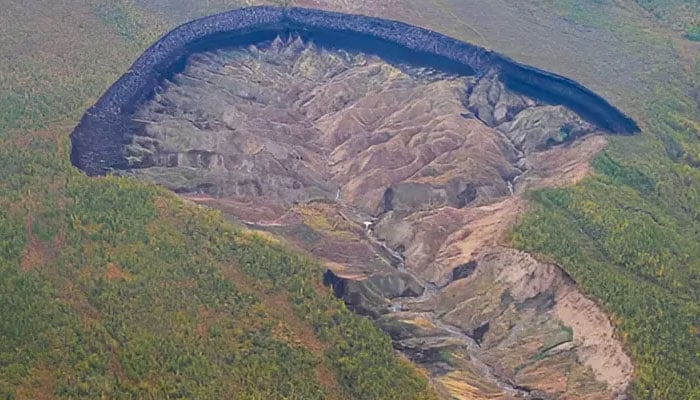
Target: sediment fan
(99,138)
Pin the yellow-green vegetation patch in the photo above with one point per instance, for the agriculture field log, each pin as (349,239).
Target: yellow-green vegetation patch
(681,14)
(326,219)
(135,26)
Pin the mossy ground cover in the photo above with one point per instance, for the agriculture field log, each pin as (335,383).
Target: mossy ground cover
(681,14)
(112,288)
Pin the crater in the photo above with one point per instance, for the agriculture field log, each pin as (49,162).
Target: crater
(396,156)
(289,121)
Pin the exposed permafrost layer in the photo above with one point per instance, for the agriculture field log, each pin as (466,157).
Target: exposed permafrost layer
(99,139)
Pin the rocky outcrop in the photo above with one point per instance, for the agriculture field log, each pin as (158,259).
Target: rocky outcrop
(369,295)
(98,140)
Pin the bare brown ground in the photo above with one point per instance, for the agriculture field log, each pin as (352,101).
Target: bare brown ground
(42,386)
(36,253)
(116,273)
(595,336)
(597,344)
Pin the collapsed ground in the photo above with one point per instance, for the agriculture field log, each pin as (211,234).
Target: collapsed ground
(403,181)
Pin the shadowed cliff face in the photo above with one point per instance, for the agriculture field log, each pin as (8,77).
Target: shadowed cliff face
(98,140)
(402,179)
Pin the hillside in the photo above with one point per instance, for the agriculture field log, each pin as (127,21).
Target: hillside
(119,289)
(115,289)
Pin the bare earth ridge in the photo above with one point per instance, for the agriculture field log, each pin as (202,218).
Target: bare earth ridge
(403,180)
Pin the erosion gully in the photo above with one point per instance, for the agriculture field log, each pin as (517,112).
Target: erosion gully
(396,259)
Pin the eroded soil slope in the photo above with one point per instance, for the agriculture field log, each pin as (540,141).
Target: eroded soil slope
(403,181)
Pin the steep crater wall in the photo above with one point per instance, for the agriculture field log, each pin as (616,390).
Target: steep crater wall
(99,139)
